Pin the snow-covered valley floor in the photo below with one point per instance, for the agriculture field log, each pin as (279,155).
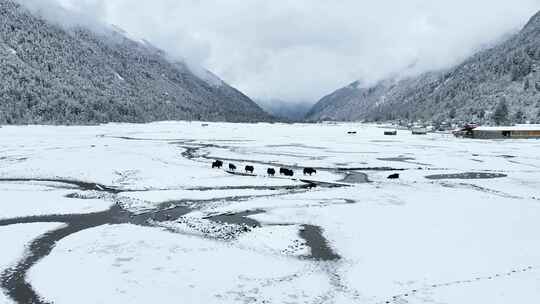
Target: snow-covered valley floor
(123,213)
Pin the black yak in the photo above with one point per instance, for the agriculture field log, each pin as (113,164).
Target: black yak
(288,172)
(271,171)
(232,167)
(282,171)
(250,169)
(217,164)
(309,171)
(394,176)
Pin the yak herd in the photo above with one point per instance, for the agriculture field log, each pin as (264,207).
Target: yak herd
(270,171)
(282,171)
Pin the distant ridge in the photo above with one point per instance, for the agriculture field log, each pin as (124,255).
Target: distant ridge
(292,111)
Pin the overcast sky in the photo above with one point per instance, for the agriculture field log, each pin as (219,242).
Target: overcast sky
(305,49)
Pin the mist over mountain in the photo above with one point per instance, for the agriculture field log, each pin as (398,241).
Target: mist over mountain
(62,72)
(288,110)
(506,73)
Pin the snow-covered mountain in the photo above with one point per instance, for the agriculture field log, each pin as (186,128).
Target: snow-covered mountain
(509,72)
(52,73)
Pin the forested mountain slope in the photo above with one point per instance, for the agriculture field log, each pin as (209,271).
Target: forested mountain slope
(508,73)
(57,74)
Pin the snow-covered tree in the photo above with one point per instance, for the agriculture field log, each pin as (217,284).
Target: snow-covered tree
(500,116)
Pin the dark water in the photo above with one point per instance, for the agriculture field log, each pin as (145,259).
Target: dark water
(313,235)
(355,178)
(241,218)
(370,169)
(286,187)
(85,186)
(467,175)
(320,249)
(13,279)
(403,159)
(193,152)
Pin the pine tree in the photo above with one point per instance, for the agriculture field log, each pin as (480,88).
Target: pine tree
(500,116)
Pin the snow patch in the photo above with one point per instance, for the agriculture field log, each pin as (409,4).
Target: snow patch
(118,76)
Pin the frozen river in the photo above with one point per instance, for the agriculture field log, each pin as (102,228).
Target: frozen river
(125,213)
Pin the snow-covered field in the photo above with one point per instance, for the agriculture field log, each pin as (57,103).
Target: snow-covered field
(124,213)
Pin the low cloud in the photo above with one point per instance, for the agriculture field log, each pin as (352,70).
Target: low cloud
(304,49)
(87,13)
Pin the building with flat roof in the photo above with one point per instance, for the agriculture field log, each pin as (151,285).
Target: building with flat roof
(515,132)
